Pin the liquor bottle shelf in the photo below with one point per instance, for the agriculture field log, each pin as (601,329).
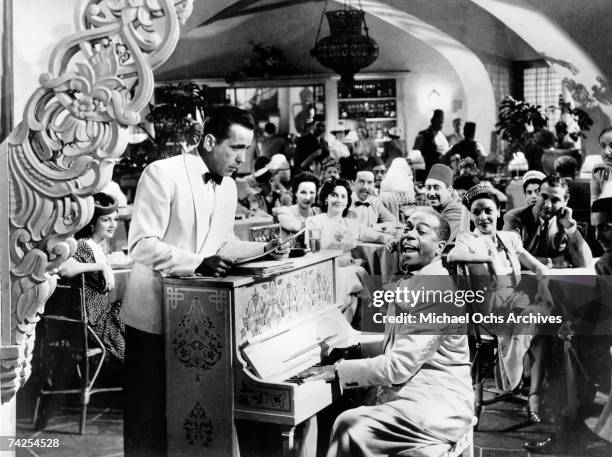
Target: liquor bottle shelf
(367,99)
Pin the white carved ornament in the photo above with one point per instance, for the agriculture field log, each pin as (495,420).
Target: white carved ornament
(74,129)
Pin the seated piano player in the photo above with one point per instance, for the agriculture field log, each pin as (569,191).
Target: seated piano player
(425,398)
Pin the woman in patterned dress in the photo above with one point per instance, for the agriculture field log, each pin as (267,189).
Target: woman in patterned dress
(339,232)
(90,259)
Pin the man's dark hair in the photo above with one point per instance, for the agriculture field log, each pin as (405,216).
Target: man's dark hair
(444,230)
(566,167)
(270,128)
(555,181)
(328,188)
(465,182)
(603,132)
(220,120)
(299,179)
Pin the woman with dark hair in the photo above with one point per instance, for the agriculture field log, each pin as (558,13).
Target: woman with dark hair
(90,259)
(339,232)
(293,218)
(504,252)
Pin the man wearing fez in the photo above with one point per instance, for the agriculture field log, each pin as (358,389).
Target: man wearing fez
(548,230)
(366,206)
(431,142)
(182,224)
(422,371)
(439,193)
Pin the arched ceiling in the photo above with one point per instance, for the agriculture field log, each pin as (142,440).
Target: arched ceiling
(221,46)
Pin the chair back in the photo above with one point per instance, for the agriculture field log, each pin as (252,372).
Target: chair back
(66,310)
(474,276)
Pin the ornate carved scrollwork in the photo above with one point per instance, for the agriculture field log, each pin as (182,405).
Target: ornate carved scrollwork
(75,127)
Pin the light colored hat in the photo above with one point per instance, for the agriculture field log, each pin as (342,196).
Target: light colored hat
(278,162)
(394,132)
(262,175)
(416,159)
(533,174)
(350,137)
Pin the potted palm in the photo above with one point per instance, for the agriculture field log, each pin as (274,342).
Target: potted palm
(514,119)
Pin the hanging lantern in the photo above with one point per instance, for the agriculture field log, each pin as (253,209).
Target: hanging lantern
(347,50)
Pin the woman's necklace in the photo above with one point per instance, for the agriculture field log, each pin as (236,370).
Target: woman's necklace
(301,212)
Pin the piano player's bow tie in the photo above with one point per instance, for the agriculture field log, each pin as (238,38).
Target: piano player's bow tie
(366,204)
(215,177)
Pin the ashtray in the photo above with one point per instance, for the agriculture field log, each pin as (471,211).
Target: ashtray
(297,252)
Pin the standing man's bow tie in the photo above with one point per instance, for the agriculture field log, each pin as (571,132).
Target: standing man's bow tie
(215,177)
(366,204)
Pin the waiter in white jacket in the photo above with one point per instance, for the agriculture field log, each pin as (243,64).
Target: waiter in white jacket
(182,223)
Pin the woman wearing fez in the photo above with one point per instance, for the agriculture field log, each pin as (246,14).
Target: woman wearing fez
(293,218)
(503,251)
(339,232)
(90,259)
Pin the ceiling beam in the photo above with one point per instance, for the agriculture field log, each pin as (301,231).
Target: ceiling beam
(243,8)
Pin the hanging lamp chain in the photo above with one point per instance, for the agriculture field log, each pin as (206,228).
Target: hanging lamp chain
(321,22)
(365,26)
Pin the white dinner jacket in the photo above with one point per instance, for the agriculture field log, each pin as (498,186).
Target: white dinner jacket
(166,235)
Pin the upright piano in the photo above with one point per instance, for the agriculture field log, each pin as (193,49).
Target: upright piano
(235,347)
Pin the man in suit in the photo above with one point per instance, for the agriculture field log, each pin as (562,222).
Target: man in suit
(440,196)
(366,207)
(548,230)
(425,397)
(182,224)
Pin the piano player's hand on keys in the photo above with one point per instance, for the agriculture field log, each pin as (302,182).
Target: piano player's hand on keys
(326,373)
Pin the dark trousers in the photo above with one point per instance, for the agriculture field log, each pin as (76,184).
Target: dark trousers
(144,410)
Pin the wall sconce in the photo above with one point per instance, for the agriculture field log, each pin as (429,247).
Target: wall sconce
(434,98)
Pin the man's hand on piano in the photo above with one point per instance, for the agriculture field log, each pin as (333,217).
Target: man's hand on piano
(215,265)
(326,373)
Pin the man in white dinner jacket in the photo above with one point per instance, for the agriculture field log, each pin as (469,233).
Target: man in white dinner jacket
(182,224)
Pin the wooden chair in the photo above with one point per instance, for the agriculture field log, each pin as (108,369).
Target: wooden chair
(483,344)
(66,333)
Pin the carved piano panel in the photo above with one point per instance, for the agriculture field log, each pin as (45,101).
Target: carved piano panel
(198,370)
(232,345)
